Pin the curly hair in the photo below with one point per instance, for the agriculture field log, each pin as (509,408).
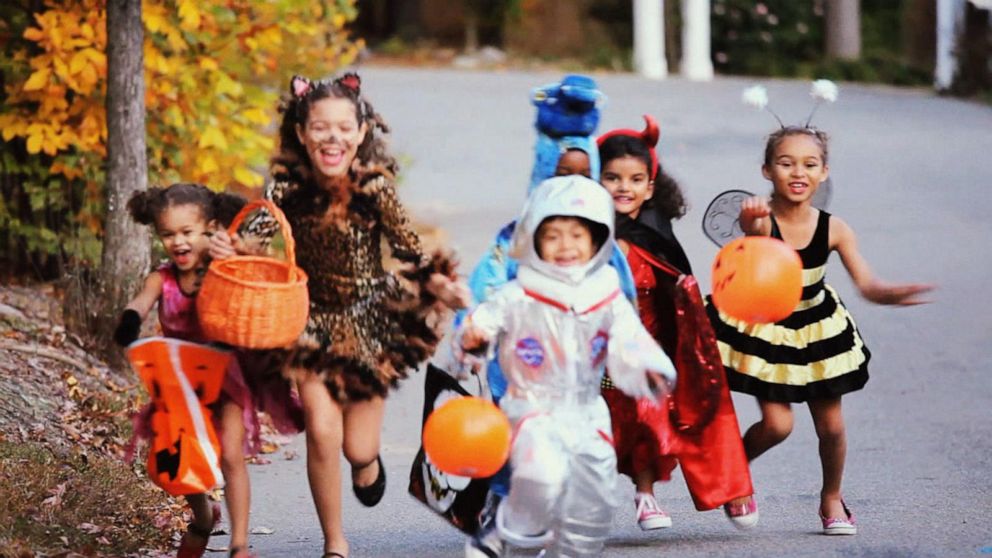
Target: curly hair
(668,200)
(146,207)
(778,136)
(292,158)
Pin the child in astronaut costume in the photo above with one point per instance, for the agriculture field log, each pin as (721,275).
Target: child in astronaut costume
(558,326)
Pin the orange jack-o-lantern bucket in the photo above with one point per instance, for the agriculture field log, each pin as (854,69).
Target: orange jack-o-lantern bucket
(182,378)
(757,279)
(467,436)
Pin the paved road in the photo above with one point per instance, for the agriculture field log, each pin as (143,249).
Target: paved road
(911,175)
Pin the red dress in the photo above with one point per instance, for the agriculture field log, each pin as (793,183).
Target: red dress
(695,426)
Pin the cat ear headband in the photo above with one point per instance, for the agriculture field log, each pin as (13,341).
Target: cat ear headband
(351,82)
(300,86)
(649,136)
(822,91)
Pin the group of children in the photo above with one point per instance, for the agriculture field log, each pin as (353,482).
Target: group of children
(583,315)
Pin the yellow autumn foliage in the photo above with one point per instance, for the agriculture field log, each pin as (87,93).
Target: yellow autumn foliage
(214,70)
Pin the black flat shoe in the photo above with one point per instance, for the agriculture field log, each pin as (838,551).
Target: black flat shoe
(371,494)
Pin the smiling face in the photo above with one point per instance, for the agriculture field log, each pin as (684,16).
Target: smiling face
(331,136)
(796,168)
(564,241)
(183,232)
(574,161)
(629,183)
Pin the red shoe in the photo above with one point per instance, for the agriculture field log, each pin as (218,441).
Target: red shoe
(743,516)
(189,549)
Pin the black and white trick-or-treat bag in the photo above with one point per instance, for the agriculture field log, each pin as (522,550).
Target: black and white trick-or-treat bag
(457,499)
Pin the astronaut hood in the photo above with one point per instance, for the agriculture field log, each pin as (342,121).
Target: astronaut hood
(566,196)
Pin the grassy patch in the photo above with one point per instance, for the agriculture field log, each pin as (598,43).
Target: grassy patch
(88,504)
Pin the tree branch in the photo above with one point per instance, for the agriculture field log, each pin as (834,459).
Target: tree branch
(43,352)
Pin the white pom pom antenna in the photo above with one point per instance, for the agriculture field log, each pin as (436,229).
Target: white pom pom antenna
(824,91)
(755,96)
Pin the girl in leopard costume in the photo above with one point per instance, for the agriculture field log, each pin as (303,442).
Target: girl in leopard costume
(368,327)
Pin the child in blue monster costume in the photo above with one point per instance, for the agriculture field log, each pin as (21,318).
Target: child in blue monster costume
(567,116)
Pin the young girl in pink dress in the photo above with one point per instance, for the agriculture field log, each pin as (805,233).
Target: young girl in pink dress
(184,217)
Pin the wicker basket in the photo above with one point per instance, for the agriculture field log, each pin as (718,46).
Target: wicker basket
(252,301)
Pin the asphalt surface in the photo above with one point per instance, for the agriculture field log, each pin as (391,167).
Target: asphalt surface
(911,176)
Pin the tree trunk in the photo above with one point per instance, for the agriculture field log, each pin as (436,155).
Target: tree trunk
(843,26)
(919,34)
(125,243)
(471,30)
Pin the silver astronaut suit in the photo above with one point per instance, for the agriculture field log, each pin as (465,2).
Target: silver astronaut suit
(557,329)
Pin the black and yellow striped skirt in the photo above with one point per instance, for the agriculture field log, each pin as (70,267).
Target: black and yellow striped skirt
(815,353)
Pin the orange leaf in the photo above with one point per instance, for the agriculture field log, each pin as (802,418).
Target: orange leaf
(34,34)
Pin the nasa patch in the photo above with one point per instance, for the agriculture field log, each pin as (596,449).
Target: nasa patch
(597,347)
(530,352)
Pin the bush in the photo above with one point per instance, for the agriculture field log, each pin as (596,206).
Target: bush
(785,38)
(773,38)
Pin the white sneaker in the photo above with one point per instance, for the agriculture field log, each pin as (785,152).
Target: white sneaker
(743,516)
(649,514)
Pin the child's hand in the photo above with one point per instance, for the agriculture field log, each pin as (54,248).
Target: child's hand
(128,328)
(223,245)
(753,216)
(659,384)
(454,294)
(474,339)
(754,208)
(896,295)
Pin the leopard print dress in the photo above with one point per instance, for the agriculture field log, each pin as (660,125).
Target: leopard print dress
(367,326)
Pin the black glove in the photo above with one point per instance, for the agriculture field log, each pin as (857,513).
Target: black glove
(128,328)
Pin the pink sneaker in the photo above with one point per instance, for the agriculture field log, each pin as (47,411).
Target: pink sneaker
(649,513)
(743,516)
(840,526)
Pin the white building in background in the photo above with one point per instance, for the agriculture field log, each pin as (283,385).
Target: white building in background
(950,21)
(649,39)
(697,63)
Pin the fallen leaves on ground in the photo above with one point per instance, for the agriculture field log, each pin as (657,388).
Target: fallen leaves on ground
(63,425)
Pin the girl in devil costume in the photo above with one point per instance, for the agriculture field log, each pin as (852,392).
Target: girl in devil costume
(698,427)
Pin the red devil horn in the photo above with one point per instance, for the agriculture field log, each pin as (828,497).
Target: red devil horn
(650,133)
